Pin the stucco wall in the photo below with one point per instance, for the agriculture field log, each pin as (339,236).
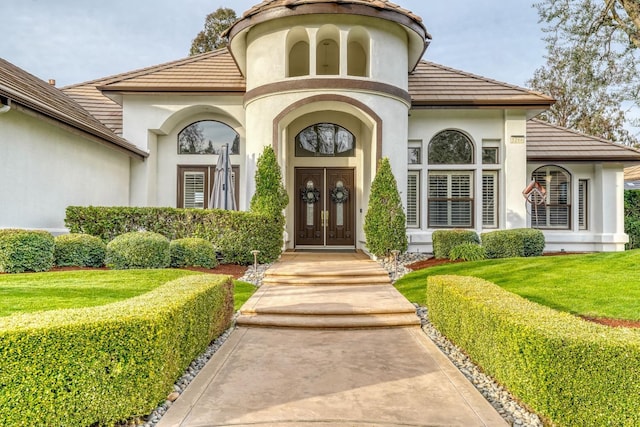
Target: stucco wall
(44,169)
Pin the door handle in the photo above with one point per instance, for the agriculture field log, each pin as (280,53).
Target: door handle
(326,217)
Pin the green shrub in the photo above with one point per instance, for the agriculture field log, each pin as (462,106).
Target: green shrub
(385,221)
(101,365)
(234,234)
(81,250)
(519,242)
(138,249)
(192,252)
(467,252)
(569,371)
(632,218)
(445,240)
(270,197)
(25,250)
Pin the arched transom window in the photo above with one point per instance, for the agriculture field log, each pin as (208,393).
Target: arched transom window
(450,147)
(208,137)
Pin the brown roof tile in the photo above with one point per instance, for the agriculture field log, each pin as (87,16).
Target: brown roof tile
(29,92)
(547,142)
(378,4)
(433,85)
(208,72)
(101,107)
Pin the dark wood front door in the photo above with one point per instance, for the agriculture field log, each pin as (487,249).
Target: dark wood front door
(325,207)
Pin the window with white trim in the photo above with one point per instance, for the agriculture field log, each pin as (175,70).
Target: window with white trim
(490,199)
(555,213)
(583,207)
(450,199)
(194,190)
(413,199)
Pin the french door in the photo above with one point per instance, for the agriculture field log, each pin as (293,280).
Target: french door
(325,207)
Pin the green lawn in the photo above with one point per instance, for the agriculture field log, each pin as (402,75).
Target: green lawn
(600,285)
(31,292)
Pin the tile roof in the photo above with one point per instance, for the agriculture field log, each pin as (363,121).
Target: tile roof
(33,94)
(377,4)
(213,71)
(632,173)
(101,107)
(434,85)
(547,142)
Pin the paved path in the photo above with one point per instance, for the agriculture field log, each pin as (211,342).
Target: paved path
(346,374)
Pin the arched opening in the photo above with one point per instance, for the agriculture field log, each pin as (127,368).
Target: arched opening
(357,53)
(450,147)
(298,57)
(328,52)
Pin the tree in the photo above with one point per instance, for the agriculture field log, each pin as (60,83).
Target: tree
(385,221)
(215,24)
(270,197)
(593,64)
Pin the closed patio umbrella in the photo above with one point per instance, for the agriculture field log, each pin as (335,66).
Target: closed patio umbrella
(223,192)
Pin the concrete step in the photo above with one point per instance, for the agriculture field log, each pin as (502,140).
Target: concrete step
(355,321)
(328,306)
(328,280)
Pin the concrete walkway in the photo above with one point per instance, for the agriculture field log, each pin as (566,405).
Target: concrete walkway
(368,365)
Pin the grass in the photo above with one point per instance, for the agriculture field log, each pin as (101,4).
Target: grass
(241,292)
(32,292)
(598,285)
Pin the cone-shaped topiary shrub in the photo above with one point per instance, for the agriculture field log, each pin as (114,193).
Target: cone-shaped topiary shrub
(385,222)
(192,252)
(138,249)
(79,250)
(270,197)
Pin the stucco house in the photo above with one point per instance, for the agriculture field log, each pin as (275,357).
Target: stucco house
(332,86)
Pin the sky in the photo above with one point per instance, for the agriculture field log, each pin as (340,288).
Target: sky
(74,41)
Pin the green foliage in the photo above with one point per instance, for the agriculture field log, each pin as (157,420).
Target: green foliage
(270,197)
(192,252)
(593,54)
(445,240)
(632,218)
(138,249)
(101,365)
(569,371)
(242,291)
(232,233)
(467,252)
(518,242)
(385,221)
(211,37)
(25,250)
(81,250)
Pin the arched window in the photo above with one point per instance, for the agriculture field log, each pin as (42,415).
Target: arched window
(450,147)
(298,48)
(450,192)
(325,140)
(208,137)
(357,53)
(555,212)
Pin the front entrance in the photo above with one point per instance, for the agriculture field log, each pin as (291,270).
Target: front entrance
(325,207)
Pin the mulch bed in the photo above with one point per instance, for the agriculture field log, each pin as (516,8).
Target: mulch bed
(614,323)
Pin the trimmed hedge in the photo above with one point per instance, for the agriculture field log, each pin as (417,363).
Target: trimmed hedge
(567,370)
(518,242)
(192,252)
(138,249)
(80,250)
(25,250)
(445,240)
(106,364)
(234,234)
(632,218)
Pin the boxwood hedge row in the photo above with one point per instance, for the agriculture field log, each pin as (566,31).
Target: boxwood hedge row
(567,370)
(517,242)
(234,234)
(100,365)
(445,240)
(25,250)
